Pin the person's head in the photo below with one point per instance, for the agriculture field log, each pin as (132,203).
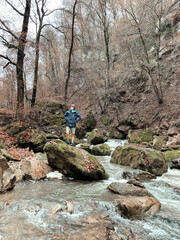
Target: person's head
(73,106)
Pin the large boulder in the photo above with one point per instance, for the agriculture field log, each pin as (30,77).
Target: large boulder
(34,169)
(89,122)
(137,207)
(34,139)
(145,159)
(140,136)
(7,177)
(95,137)
(171,155)
(101,150)
(128,189)
(31,168)
(73,162)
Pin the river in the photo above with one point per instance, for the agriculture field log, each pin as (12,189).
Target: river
(25,211)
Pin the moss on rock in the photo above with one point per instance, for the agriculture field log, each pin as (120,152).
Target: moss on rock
(101,150)
(158,143)
(89,122)
(139,136)
(106,120)
(34,139)
(95,137)
(73,162)
(142,158)
(171,155)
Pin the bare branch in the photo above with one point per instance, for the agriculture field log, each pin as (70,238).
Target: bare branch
(7,29)
(15,9)
(8,59)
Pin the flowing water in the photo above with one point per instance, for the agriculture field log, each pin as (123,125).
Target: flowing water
(25,212)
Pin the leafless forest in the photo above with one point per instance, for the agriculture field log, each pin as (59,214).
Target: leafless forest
(84,51)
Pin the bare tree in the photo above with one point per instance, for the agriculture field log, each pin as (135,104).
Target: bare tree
(20,47)
(70,51)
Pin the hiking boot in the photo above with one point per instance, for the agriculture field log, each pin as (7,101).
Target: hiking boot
(67,141)
(72,144)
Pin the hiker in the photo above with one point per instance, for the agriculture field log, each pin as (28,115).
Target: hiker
(72,117)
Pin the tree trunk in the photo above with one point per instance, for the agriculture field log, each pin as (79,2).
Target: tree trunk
(20,61)
(70,52)
(36,67)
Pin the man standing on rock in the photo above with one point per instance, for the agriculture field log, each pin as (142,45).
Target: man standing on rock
(71,117)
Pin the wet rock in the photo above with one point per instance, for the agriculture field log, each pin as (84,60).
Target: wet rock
(85,146)
(141,176)
(34,168)
(140,136)
(145,176)
(158,143)
(56,208)
(70,207)
(128,189)
(137,207)
(175,164)
(55,175)
(141,158)
(7,177)
(95,137)
(74,162)
(101,150)
(171,155)
(136,183)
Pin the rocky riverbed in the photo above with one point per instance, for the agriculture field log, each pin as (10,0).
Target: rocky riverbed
(32,210)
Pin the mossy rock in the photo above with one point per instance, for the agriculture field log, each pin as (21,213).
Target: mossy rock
(101,150)
(141,158)
(158,143)
(34,139)
(106,120)
(85,146)
(14,129)
(171,155)
(80,132)
(140,135)
(96,137)
(73,162)
(115,135)
(89,122)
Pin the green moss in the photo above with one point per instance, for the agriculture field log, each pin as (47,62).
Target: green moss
(171,155)
(89,123)
(106,120)
(145,159)
(158,143)
(139,136)
(96,137)
(101,150)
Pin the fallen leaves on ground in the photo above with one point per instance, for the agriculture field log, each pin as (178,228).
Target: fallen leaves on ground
(9,144)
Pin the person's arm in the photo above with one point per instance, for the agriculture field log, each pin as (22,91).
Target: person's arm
(65,115)
(78,118)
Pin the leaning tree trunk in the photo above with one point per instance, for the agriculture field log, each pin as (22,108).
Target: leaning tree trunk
(20,61)
(70,52)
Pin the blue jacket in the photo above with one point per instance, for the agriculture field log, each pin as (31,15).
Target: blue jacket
(72,117)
